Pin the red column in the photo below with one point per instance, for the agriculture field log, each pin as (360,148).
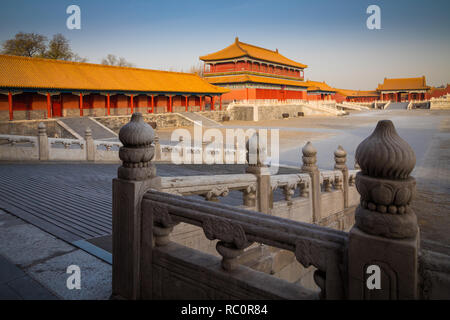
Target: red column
(186,108)
(49,111)
(153,105)
(170,104)
(200,103)
(10,105)
(107,104)
(212,103)
(81,104)
(131,104)
(220,100)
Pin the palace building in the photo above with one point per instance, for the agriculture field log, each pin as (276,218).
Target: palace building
(356,95)
(403,89)
(319,90)
(33,88)
(252,72)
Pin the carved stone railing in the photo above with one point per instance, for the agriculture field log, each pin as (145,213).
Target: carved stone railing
(14,147)
(237,229)
(148,264)
(212,187)
(14,140)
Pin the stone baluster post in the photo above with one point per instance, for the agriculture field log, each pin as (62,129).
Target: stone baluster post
(90,147)
(205,151)
(340,158)
(43,142)
(310,166)
(385,237)
(136,175)
(157,149)
(257,166)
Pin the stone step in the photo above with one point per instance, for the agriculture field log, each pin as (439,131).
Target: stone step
(80,124)
(197,118)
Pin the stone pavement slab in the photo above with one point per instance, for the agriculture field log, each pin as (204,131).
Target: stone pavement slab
(15,284)
(33,265)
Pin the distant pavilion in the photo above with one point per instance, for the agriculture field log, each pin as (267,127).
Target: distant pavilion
(319,90)
(252,72)
(35,88)
(403,89)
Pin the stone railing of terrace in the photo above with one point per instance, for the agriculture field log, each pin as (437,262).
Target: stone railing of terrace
(21,148)
(264,109)
(383,242)
(441,103)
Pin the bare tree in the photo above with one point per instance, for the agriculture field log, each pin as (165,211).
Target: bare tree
(59,48)
(197,69)
(35,45)
(112,60)
(25,44)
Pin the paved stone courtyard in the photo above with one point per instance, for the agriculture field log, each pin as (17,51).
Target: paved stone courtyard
(47,207)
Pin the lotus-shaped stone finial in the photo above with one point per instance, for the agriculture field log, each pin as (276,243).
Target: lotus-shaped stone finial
(384,154)
(136,133)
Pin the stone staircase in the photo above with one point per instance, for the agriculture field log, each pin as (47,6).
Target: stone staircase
(197,118)
(79,125)
(398,106)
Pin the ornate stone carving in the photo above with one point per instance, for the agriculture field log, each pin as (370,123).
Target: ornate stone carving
(289,190)
(384,154)
(325,257)
(250,196)
(163,224)
(340,157)
(225,230)
(162,217)
(327,184)
(137,151)
(42,130)
(304,189)
(214,193)
(229,255)
(309,157)
(384,184)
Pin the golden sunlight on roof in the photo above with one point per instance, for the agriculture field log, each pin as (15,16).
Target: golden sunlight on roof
(318,86)
(240,49)
(24,72)
(403,84)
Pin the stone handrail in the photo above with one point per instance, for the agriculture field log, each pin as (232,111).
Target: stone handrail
(67,143)
(108,145)
(237,229)
(383,243)
(210,187)
(331,178)
(15,139)
(290,182)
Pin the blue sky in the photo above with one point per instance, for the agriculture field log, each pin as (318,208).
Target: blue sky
(331,37)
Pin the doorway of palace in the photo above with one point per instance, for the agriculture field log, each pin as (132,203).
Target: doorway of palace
(56,106)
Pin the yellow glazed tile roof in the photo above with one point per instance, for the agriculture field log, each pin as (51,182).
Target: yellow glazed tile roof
(257,79)
(357,93)
(24,72)
(241,49)
(318,86)
(403,84)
